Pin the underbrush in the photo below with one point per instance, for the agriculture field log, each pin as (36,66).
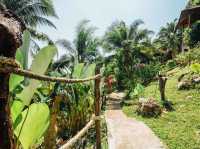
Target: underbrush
(179,129)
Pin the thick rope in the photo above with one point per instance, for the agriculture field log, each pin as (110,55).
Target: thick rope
(70,143)
(8,65)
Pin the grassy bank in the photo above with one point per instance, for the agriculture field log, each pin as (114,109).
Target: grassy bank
(179,129)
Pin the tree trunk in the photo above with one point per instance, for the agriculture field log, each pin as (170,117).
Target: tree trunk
(11,28)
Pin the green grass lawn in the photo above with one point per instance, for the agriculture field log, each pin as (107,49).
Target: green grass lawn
(179,129)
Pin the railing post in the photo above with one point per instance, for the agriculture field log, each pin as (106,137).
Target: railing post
(11,29)
(97,108)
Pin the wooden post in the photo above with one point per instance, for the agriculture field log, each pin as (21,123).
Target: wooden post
(162,84)
(51,134)
(189,20)
(97,108)
(11,28)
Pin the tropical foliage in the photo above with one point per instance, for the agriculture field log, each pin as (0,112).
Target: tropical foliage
(32,12)
(31,105)
(127,42)
(45,114)
(169,38)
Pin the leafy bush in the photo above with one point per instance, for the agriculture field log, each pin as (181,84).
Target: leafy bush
(171,64)
(192,56)
(139,89)
(195,68)
(147,72)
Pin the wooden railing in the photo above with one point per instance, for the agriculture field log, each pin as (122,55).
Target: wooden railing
(9,65)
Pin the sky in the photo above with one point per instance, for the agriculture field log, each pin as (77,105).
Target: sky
(101,13)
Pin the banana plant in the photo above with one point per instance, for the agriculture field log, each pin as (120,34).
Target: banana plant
(30,120)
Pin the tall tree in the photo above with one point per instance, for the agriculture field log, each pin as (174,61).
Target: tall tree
(169,38)
(85,45)
(32,13)
(127,42)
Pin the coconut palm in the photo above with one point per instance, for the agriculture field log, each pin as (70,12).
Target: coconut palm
(119,34)
(85,46)
(32,12)
(169,38)
(127,42)
(85,43)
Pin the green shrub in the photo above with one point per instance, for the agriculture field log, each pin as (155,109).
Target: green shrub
(146,73)
(138,91)
(171,64)
(195,68)
(192,56)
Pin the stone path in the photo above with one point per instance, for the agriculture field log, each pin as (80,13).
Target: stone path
(127,133)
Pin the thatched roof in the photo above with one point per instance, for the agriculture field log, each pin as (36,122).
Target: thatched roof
(189,16)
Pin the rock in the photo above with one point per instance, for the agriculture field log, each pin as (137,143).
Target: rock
(189,97)
(148,108)
(184,85)
(196,80)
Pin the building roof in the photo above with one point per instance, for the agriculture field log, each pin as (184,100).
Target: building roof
(188,16)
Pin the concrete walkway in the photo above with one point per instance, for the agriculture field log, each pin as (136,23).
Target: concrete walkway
(127,133)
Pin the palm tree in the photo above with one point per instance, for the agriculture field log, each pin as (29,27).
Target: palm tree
(169,38)
(119,34)
(132,39)
(33,13)
(85,46)
(85,43)
(126,41)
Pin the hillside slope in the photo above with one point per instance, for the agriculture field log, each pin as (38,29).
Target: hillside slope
(179,129)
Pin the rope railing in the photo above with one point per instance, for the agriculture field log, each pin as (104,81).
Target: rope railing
(8,65)
(70,143)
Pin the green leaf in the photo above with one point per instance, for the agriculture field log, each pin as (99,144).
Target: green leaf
(39,66)
(89,71)
(19,57)
(34,121)
(16,108)
(195,68)
(16,79)
(138,90)
(78,70)
(24,49)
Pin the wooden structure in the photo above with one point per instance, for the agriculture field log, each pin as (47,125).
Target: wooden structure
(11,29)
(188,17)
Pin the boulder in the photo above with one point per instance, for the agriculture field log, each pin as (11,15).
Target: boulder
(184,85)
(196,80)
(148,108)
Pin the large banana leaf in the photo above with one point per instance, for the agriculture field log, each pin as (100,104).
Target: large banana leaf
(39,66)
(81,71)
(15,79)
(78,70)
(89,71)
(24,49)
(33,122)
(22,57)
